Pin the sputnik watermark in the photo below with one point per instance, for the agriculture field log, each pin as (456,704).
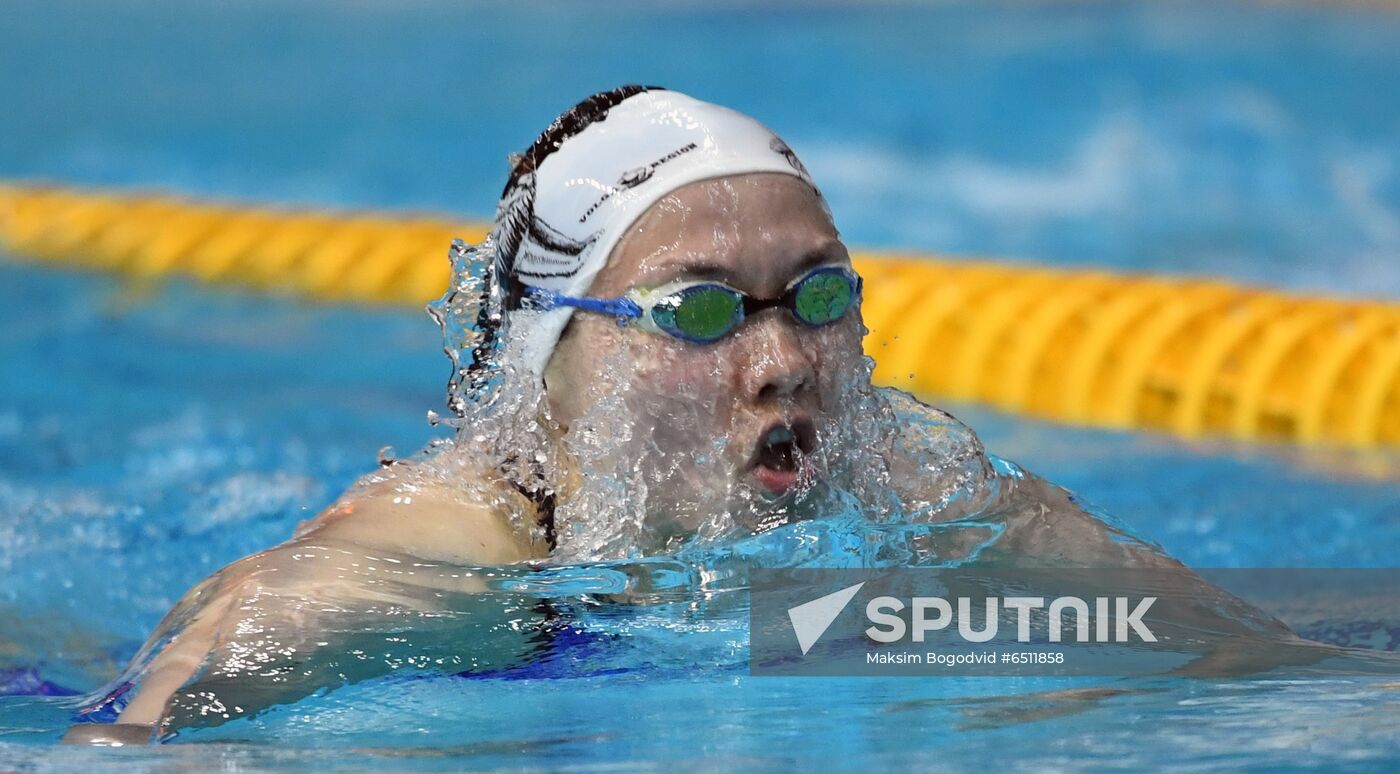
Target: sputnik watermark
(1038,621)
(810,620)
(888,627)
(1108,622)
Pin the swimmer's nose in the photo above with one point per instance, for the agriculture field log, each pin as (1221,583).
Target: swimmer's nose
(778,366)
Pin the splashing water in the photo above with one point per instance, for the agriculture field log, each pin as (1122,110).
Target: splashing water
(884,458)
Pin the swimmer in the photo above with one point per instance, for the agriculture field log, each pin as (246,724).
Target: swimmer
(662,345)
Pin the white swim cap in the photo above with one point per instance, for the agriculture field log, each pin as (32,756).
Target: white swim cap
(572,196)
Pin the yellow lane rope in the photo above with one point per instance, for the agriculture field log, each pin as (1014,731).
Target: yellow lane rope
(1193,357)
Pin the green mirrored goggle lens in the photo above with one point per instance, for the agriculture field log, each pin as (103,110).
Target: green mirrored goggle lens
(823,297)
(703,313)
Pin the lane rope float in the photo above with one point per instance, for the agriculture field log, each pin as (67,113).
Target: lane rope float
(1193,357)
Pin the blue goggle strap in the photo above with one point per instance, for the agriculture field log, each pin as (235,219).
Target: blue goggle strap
(622,308)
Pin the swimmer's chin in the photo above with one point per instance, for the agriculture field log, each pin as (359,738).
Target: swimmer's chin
(755,514)
(770,509)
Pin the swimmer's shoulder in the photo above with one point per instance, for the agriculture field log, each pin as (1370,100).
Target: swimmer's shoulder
(934,430)
(937,464)
(422,510)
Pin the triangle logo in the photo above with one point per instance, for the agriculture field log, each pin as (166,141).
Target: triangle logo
(810,620)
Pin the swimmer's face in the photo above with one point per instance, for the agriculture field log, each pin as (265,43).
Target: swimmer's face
(724,432)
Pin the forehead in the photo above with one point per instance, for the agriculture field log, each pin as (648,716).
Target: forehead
(749,230)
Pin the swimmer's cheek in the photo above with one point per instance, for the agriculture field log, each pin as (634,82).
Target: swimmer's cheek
(110,734)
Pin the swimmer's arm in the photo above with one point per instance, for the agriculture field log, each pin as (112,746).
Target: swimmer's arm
(1055,531)
(427,525)
(172,667)
(1045,527)
(297,589)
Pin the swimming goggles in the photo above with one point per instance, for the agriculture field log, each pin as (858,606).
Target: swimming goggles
(702,312)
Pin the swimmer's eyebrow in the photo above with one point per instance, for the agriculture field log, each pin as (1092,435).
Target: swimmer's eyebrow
(699,271)
(713,272)
(829,252)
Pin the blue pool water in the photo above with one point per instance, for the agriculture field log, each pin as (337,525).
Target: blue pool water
(149,435)
(1251,139)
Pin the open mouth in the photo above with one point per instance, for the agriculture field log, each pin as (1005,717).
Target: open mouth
(780,460)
